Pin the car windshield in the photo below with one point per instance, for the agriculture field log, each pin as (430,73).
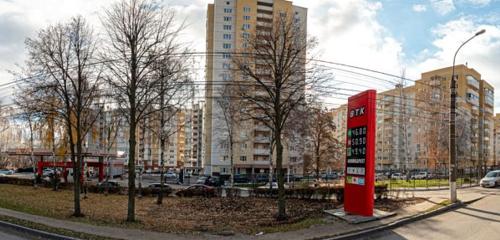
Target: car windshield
(491,174)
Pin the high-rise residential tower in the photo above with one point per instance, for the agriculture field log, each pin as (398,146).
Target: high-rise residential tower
(229,23)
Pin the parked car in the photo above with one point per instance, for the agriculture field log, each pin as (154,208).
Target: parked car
(171,175)
(209,181)
(329,176)
(398,176)
(4,172)
(241,179)
(274,186)
(155,188)
(110,185)
(380,176)
(197,190)
(492,179)
(420,175)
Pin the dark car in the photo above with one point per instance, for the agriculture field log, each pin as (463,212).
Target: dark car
(112,186)
(329,176)
(241,179)
(155,188)
(209,181)
(197,190)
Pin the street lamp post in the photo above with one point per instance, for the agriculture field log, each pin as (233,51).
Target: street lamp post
(453,103)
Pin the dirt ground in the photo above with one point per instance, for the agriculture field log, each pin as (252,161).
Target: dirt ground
(243,215)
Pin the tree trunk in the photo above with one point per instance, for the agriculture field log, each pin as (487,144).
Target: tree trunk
(231,169)
(281,178)
(317,161)
(32,157)
(159,201)
(131,168)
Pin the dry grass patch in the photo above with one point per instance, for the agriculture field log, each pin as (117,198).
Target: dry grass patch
(245,215)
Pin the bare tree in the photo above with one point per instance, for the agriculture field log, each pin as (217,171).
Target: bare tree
(231,117)
(321,129)
(273,64)
(30,114)
(138,31)
(62,57)
(172,73)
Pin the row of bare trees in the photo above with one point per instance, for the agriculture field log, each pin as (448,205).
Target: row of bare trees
(139,69)
(272,78)
(143,68)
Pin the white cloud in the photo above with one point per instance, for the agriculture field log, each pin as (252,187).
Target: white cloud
(419,8)
(482,53)
(479,2)
(443,7)
(349,32)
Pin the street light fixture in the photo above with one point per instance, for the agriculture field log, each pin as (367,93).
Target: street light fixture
(453,150)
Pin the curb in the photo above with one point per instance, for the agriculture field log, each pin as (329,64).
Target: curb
(356,234)
(35,232)
(428,189)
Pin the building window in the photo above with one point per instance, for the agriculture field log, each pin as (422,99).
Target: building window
(243,145)
(227,36)
(226,66)
(227,27)
(224,158)
(226,45)
(243,158)
(228,10)
(226,55)
(228,19)
(246,26)
(226,77)
(246,35)
(246,9)
(246,18)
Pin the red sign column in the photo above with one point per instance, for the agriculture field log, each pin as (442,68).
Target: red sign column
(360,157)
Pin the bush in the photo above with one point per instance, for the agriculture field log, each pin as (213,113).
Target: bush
(319,193)
(16,181)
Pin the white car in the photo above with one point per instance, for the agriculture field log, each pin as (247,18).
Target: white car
(420,175)
(397,176)
(274,186)
(492,179)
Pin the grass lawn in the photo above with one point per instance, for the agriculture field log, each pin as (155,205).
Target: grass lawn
(244,215)
(422,183)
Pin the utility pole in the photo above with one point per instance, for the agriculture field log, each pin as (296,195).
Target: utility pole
(453,105)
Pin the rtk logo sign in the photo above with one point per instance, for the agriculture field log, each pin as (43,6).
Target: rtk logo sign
(357,112)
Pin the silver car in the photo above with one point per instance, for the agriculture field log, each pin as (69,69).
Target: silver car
(492,179)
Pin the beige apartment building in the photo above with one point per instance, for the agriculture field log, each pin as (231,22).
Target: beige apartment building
(496,142)
(412,122)
(229,23)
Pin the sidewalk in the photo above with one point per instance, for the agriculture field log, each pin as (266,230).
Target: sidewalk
(333,226)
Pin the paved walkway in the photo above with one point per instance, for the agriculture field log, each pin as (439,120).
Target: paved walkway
(333,226)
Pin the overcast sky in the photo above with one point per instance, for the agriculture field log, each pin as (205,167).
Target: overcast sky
(385,35)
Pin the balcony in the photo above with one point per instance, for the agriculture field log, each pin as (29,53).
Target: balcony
(489,100)
(471,81)
(262,139)
(261,151)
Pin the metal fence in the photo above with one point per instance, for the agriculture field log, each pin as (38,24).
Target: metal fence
(416,179)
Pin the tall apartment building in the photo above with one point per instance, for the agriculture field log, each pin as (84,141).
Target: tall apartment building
(182,128)
(496,142)
(412,122)
(229,23)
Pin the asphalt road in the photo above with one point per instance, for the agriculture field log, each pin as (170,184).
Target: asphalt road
(477,221)
(10,234)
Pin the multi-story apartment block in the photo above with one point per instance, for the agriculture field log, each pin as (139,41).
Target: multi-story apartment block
(229,24)
(496,142)
(413,122)
(197,135)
